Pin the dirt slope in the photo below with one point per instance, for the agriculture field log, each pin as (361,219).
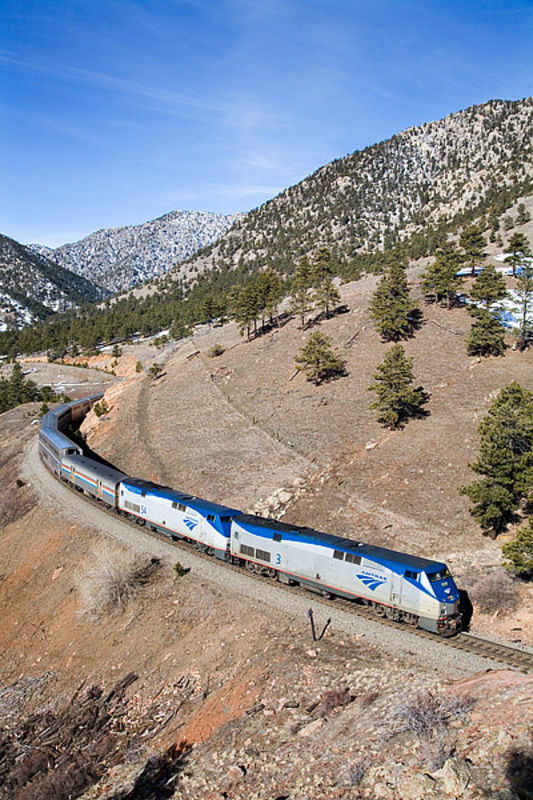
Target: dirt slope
(244,429)
(263,711)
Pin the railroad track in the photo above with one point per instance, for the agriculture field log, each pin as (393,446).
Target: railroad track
(509,655)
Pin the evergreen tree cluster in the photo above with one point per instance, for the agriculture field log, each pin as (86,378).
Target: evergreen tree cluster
(16,390)
(505,460)
(381,198)
(441,282)
(258,300)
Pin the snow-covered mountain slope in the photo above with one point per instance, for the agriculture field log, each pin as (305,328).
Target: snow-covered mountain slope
(118,258)
(32,286)
(474,162)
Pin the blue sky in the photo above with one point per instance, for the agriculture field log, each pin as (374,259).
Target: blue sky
(117,111)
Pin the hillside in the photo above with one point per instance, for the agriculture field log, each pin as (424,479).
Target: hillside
(471,163)
(116,259)
(33,287)
(407,193)
(263,710)
(255,435)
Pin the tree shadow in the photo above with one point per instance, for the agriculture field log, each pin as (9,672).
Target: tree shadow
(519,771)
(335,312)
(416,318)
(157,781)
(331,375)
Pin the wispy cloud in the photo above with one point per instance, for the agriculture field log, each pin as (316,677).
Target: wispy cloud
(170,99)
(53,123)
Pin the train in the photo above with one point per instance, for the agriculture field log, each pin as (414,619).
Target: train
(402,587)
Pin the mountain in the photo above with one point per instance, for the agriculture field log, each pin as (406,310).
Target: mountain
(470,163)
(413,189)
(116,259)
(33,287)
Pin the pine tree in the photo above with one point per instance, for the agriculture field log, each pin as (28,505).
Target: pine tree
(397,400)
(326,294)
(318,360)
(519,552)
(301,301)
(473,243)
(518,249)
(441,280)
(246,309)
(268,291)
(505,459)
(322,267)
(17,390)
(524,306)
(488,287)
(523,215)
(486,336)
(391,307)
(155,371)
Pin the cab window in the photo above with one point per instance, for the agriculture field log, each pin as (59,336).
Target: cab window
(438,576)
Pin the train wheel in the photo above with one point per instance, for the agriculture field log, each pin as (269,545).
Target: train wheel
(379,610)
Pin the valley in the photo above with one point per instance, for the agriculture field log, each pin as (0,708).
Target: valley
(193,682)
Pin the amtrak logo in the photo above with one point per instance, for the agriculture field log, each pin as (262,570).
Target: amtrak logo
(190,523)
(372,581)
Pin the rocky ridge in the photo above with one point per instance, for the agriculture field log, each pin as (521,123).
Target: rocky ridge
(118,258)
(32,286)
(476,160)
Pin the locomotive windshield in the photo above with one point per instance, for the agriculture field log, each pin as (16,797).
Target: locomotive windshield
(439,576)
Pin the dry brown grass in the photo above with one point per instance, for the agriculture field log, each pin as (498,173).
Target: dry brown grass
(495,591)
(427,715)
(112,578)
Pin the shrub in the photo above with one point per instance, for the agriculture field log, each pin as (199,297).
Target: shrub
(425,713)
(180,570)
(101,408)
(494,591)
(352,775)
(112,579)
(334,698)
(368,698)
(519,552)
(215,351)
(155,371)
